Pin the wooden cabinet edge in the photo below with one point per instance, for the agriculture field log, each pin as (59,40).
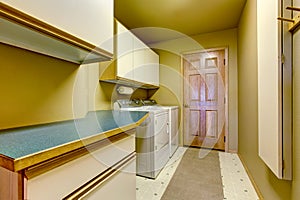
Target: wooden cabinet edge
(13,15)
(7,162)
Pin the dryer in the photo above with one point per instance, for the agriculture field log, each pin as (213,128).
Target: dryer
(173,128)
(172,124)
(152,138)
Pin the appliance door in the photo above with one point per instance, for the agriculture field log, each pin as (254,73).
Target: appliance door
(161,141)
(161,132)
(173,126)
(145,148)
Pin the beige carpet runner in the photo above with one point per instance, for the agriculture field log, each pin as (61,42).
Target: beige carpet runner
(196,178)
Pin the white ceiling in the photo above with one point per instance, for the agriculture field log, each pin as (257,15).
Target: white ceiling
(189,17)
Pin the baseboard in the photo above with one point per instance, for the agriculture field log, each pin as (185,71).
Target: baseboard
(232,151)
(260,196)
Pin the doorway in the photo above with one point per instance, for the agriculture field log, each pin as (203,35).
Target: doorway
(205,106)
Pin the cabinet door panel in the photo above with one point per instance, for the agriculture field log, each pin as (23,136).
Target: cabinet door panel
(151,67)
(274,88)
(124,52)
(139,60)
(135,60)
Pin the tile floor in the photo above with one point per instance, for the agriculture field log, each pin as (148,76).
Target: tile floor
(235,180)
(236,183)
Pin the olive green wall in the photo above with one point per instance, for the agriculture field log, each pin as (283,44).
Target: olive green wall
(270,187)
(171,74)
(39,89)
(296,120)
(34,88)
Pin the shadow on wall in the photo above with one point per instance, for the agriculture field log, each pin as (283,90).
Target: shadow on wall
(34,88)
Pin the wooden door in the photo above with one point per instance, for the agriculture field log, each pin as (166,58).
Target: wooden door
(204,99)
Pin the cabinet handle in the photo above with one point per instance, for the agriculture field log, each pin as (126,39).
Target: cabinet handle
(95,182)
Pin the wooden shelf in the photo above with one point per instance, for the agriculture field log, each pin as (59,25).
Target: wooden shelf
(130,83)
(293,27)
(26,32)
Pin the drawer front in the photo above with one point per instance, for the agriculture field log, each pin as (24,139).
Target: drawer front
(120,186)
(59,182)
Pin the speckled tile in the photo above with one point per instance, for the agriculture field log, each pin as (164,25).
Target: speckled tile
(236,183)
(149,189)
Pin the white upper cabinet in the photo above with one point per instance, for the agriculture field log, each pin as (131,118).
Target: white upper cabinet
(124,52)
(268,92)
(146,65)
(135,61)
(274,88)
(151,69)
(89,20)
(139,60)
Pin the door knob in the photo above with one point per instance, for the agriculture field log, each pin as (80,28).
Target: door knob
(186,105)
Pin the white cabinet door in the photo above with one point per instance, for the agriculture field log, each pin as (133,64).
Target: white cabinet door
(124,51)
(274,88)
(268,93)
(135,60)
(146,64)
(89,20)
(151,67)
(139,60)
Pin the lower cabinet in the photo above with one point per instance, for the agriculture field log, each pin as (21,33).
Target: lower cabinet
(107,172)
(120,186)
(10,185)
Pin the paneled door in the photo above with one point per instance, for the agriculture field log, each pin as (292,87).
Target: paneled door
(205,99)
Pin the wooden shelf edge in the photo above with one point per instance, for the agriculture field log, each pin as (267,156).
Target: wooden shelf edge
(130,83)
(27,21)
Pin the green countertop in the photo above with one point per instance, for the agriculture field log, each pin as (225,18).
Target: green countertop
(23,143)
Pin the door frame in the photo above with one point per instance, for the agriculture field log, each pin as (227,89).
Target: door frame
(226,90)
